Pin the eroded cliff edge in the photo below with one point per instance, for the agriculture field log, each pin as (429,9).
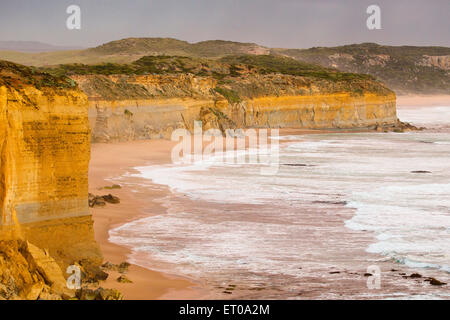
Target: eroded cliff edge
(45,151)
(159,94)
(45,138)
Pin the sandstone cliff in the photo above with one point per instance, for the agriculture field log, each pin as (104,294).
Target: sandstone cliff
(45,147)
(27,272)
(45,140)
(236,92)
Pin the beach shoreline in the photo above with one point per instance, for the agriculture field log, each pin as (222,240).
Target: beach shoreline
(139,199)
(423,100)
(110,161)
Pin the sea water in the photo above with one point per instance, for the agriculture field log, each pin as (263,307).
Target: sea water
(251,227)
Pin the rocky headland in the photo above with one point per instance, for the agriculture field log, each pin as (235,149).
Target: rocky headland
(45,151)
(405,69)
(51,115)
(151,97)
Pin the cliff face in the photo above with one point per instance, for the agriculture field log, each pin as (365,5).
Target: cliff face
(328,111)
(45,148)
(125,108)
(440,62)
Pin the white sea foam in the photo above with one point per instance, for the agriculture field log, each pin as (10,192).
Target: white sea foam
(397,184)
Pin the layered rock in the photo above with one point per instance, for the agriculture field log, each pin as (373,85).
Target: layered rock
(124,107)
(27,272)
(45,150)
(441,62)
(30,273)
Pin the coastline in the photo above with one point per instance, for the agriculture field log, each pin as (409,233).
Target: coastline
(422,100)
(112,160)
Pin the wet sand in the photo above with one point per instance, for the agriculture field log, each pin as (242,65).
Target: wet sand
(113,160)
(344,260)
(423,100)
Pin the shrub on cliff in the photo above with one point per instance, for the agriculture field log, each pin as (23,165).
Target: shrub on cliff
(16,76)
(284,65)
(230,95)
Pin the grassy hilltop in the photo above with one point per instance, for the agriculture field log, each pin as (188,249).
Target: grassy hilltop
(406,69)
(131,49)
(16,76)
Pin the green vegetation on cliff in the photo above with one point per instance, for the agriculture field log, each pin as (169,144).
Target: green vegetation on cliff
(16,76)
(406,69)
(234,78)
(235,75)
(145,65)
(228,94)
(278,64)
(233,66)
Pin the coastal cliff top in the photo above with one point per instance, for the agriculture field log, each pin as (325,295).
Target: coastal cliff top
(234,77)
(17,76)
(405,69)
(234,66)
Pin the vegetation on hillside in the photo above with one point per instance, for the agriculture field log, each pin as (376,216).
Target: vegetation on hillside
(146,46)
(237,77)
(278,64)
(229,94)
(233,66)
(130,49)
(16,76)
(143,66)
(403,68)
(173,47)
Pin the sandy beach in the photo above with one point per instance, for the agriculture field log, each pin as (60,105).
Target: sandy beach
(340,278)
(113,160)
(423,100)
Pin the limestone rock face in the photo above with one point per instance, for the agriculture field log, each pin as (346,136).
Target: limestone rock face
(30,273)
(46,266)
(27,272)
(44,157)
(123,108)
(45,154)
(441,62)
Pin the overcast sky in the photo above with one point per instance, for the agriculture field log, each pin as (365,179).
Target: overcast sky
(276,23)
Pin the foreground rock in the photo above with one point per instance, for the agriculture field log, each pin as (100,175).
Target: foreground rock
(121,268)
(92,273)
(99,294)
(123,279)
(30,273)
(111,199)
(100,201)
(435,282)
(398,127)
(114,186)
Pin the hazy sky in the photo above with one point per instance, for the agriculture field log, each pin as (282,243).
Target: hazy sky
(276,23)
